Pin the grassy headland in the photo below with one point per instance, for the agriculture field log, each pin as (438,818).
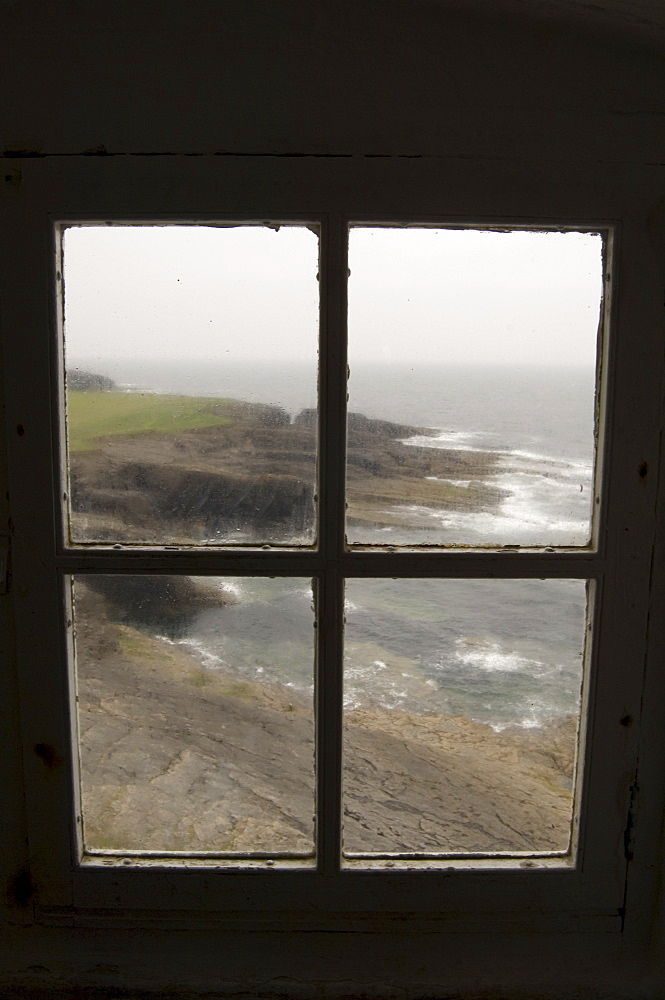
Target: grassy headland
(94,416)
(186,469)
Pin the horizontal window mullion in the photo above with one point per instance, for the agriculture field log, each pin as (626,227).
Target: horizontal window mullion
(293,563)
(196,562)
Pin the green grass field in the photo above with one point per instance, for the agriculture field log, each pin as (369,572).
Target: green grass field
(92,415)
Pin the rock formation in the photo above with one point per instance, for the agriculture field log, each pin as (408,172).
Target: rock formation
(81,381)
(254,479)
(178,756)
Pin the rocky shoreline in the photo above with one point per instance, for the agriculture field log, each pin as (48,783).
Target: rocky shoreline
(177,756)
(253,479)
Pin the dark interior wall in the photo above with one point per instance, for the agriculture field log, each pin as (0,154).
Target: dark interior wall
(319,77)
(340,76)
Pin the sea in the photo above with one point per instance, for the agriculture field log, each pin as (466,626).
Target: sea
(507,653)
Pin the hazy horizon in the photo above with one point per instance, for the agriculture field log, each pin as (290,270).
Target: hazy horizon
(250,294)
(81,360)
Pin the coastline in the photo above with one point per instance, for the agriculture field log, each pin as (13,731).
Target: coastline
(251,476)
(176,756)
(180,753)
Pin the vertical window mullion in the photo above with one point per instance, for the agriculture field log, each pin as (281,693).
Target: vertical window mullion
(332,460)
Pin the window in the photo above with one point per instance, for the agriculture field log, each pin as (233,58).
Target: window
(386,745)
(190,359)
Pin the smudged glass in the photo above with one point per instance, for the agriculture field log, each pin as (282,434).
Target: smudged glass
(472,386)
(461,711)
(191,377)
(195,714)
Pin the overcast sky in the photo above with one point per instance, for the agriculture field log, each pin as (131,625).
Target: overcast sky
(415,295)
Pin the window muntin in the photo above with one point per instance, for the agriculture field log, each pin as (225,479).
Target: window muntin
(477,349)
(327,563)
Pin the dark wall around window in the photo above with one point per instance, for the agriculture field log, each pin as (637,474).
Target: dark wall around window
(385,78)
(363,78)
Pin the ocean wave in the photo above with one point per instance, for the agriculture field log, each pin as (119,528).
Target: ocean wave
(463,483)
(221,585)
(517,524)
(202,652)
(531,456)
(516,480)
(491,657)
(529,722)
(208,659)
(448,440)
(546,505)
(472,441)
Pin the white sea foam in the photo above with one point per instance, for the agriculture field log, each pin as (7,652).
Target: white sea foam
(220,585)
(538,458)
(210,660)
(361,688)
(529,722)
(465,483)
(550,506)
(448,440)
(201,651)
(547,498)
(492,657)
(518,523)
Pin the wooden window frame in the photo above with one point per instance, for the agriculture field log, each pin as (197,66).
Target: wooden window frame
(471,894)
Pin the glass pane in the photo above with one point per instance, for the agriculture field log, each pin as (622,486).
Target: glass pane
(195,700)
(191,358)
(462,702)
(472,386)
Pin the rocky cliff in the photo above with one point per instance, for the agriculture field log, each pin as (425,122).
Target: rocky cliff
(177,756)
(253,479)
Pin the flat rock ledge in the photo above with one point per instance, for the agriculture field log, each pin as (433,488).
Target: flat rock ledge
(179,757)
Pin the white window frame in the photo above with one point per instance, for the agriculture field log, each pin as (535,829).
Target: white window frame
(465,894)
